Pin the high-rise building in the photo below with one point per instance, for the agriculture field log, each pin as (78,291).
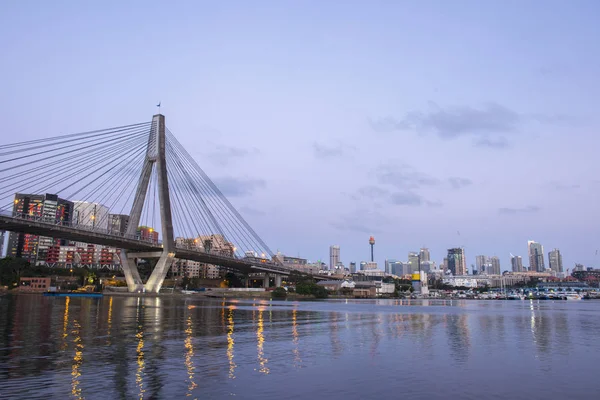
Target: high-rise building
(352,266)
(45,207)
(516,263)
(457,264)
(555,261)
(536,256)
(117,223)
(495,266)
(363,265)
(1,243)
(393,267)
(425,256)
(90,215)
(444,266)
(334,256)
(481,262)
(413,261)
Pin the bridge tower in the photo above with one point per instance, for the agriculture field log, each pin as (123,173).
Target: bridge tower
(155,158)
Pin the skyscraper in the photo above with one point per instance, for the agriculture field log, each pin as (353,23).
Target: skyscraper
(555,261)
(495,266)
(457,264)
(334,256)
(481,263)
(516,263)
(352,266)
(425,256)
(536,256)
(413,261)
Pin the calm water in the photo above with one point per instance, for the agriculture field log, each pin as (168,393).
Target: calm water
(154,348)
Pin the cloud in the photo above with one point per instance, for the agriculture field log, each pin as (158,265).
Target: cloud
(224,154)
(403,177)
(362,220)
(453,122)
(406,198)
(373,192)
(524,210)
(458,183)
(398,198)
(328,151)
(495,143)
(238,187)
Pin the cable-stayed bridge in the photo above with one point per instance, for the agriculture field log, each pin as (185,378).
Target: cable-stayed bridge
(134,188)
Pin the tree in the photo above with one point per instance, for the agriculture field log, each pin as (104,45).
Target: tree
(12,269)
(279,293)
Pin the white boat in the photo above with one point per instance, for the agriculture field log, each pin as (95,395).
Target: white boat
(573,296)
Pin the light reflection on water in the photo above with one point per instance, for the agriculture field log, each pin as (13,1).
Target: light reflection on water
(127,347)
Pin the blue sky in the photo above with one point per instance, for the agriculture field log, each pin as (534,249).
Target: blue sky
(423,123)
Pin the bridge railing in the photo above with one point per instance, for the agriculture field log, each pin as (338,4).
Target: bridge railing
(83,227)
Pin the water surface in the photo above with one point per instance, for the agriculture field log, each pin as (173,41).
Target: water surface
(155,348)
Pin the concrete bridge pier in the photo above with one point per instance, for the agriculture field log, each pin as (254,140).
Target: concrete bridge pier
(278,280)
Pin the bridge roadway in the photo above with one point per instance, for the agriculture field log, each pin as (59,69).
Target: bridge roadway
(78,234)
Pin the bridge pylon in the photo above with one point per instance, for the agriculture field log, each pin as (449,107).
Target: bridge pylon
(155,158)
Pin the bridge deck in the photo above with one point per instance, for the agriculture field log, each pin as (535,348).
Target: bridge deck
(36,227)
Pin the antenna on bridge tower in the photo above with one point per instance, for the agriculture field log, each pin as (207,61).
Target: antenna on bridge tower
(155,155)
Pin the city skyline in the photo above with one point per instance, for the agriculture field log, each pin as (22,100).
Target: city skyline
(402,126)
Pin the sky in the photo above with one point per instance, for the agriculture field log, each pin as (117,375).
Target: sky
(423,123)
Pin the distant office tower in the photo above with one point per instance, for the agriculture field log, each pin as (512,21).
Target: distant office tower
(413,261)
(516,263)
(363,265)
(555,261)
(495,266)
(352,267)
(388,266)
(334,256)
(47,208)
(457,264)
(474,269)
(481,262)
(92,215)
(1,243)
(536,256)
(444,266)
(117,223)
(425,256)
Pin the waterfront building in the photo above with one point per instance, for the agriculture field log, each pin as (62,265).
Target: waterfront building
(555,261)
(457,263)
(536,256)
(334,256)
(516,263)
(370,266)
(48,208)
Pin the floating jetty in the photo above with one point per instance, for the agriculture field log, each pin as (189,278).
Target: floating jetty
(68,294)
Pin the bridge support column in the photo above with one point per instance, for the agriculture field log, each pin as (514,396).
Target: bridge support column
(277,280)
(155,156)
(266,281)
(132,275)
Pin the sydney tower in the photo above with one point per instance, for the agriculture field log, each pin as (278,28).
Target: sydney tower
(372,243)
